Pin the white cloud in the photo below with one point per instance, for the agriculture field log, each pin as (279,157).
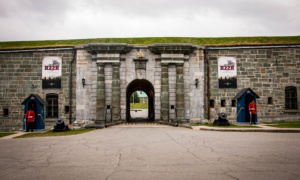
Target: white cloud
(75,19)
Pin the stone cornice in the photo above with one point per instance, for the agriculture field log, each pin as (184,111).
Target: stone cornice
(108,48)
(140,60)
(172,48)
(172,60)
(108,61)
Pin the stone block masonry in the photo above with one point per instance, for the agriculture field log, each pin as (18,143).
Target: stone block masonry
(86,104)
(100,108)
(180,93)
(174,75)
(267,72)
(164,93)
(172,92)
(116,110)
(166,69)
(21,75)
(194,69)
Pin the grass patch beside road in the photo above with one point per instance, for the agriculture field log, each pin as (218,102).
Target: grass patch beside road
(295,124)
(5,134)
(50,133)
(230,126)
(139,106)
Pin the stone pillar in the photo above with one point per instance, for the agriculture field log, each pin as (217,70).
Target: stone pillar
(100,109)
(116,111)
(179,92)
(164,92)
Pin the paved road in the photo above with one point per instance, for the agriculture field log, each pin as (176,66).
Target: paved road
(137,113)
(153,153)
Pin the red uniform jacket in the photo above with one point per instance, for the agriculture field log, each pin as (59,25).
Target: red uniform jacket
(30,116)
(252,108)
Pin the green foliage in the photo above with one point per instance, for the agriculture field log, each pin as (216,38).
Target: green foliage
(295,124)
(51,133)
(134,96)
(139,106)
(209,41)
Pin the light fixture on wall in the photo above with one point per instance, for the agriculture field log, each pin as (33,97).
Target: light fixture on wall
(83,82)
(196,82)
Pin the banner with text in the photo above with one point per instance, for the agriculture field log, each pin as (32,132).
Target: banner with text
(227,72)
(51,72)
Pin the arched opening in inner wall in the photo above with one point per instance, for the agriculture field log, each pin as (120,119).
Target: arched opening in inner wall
(140,85)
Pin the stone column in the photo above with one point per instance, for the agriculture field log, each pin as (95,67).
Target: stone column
(179,92)
(116,111)
(100,109)
(164,92)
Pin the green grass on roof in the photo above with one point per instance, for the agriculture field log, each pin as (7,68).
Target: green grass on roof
(221,41)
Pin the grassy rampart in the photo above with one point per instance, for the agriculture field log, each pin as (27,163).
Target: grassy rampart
(219,41)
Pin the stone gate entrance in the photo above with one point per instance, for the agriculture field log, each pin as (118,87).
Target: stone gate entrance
(112,72)
(141,85)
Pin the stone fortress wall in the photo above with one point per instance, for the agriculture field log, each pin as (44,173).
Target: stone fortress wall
(267,71)
(21,75)
(171,69)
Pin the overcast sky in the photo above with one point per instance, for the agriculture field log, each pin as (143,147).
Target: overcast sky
(81,19)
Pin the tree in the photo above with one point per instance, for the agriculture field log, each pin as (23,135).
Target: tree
(134,98)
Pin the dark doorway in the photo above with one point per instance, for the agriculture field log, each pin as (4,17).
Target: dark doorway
(32,106)
(248,100)
(147,87)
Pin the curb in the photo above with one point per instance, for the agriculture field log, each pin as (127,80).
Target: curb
(252,130)
(186,126)
(19,133)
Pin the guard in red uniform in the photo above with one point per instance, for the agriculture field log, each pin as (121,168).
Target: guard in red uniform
(252,110)
(30,116)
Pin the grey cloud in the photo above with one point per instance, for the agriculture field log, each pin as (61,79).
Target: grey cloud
(28,7)
(101,18)
(275,15)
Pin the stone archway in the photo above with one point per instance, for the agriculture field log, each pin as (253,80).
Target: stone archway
(142,85)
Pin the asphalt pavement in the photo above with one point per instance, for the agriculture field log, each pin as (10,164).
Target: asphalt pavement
(153,152)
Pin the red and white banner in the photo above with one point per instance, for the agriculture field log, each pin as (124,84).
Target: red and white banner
(227,72)
(51,72)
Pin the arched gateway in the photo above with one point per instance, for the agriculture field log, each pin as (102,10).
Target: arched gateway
(165,72)
(147,87)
